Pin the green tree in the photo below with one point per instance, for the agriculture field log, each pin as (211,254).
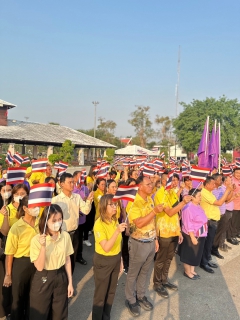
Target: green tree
(142,123)
(164,128)
(190,123)
(54,123)
(66,151)
(54,158)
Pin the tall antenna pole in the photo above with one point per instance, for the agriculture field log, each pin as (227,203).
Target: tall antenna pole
(178,79)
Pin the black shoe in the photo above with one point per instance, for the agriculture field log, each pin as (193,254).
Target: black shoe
(212,265)
(228,247)
(232,241)
(223,248)
(195,277)
(133,308)
(169,285)
(82,261)
(206,268)
(236,240)
(161,291)
(144,303)
(217,254)
(125,270)
(238,236)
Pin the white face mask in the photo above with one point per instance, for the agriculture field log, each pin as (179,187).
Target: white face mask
(17,198)
(6,195)
(34,212)
(55,226)
(4,176)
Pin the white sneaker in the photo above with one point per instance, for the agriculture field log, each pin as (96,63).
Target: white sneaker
(87,243)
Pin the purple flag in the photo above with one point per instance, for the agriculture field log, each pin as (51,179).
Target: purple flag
(203,146)
(218,147)
(212,149)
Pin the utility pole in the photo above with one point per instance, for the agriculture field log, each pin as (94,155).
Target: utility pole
(95,103)
(178,79)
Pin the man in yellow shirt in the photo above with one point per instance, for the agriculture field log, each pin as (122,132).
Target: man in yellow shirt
(211,205)
(39,177)
(142,246)
(169,234)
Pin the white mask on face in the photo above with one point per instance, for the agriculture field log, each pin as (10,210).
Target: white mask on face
(17,198)
(34,212)
(4,176)
(55,226)
(6,195)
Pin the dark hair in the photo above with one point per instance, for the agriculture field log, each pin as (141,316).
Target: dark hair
(208,180)
(109,181)
(97,183)
(112,172)
(91,173)
(175,175)
(140,179)
(128,181)
(103,207)
(121,183)
(18,187)
(65,176)
(53,209)
(130,173)
(216,176)
(186,179)
(7,201)
(193,192)
(55,189)
(75,173)
(20,211)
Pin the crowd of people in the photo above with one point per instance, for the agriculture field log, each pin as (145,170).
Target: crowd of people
(40,246)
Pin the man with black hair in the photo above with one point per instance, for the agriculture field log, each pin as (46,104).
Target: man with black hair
(71,204)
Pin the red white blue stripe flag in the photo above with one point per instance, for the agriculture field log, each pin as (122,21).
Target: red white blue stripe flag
(62,167)
(140,151)
(203,229)
(39,165)
(126,193)
(185,172)
(162,155)
(237,164)
(26,160)
(158,165)
(83,176)
(56,165)
(226,170)
(103,171)
(17,158)
(169,180)
(148,171)
(40,195)
(16,175)
(9,158)
(199,174)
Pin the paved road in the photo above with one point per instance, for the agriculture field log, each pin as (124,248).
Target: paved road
(213,297)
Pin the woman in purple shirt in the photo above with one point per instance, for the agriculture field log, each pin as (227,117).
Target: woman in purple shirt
(194,231)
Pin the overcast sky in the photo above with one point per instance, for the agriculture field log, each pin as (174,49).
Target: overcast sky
(56,57)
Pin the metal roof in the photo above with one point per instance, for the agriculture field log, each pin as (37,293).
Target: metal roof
(47,134)
(134,150)
(9,105)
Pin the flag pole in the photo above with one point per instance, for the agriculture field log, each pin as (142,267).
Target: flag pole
(219,157)
(44,230)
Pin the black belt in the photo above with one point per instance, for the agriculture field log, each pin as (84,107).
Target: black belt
(212,220)
(71,232)
(144,240)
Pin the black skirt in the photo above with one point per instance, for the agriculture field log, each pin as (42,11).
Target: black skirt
(189,253)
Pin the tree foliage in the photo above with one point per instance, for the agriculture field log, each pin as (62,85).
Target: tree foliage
(66,153)
(142,123)
(190,123)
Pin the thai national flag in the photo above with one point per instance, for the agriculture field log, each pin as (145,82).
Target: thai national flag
(40,195)
(39,165)
(83,176)
(185,162)
(56,165)
(148,171)
(26,160)
(103,171)
(199,174)
(9,158)
(133,162)
(126,162)
(95,170)
(162,155)
(237,164)
(158,165)
(16,175)
(155,149)
(169,180)
(139,161)
(172,160)
(226,170)
(185,172)
(203,229)
(17,158)
(140,151)
(126,193)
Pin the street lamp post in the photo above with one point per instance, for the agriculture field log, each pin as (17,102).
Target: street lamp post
(95,103)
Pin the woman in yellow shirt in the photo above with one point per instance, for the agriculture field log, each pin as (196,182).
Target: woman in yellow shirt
(107,257)
(98,193)
(19,269)
(52,282)
(112,189)
(90,180)
(9,212)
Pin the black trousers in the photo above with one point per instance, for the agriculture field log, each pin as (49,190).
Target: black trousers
(227,235)
(74,239)
(212,227)
(22,273)
(5,292)
(234,225)
(221,229)
(80,233)
(106,270)
(163,260)
(48,295)
(125,253)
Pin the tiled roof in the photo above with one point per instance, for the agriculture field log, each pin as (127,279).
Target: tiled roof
(47,134)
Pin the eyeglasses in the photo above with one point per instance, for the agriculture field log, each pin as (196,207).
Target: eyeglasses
(113,205)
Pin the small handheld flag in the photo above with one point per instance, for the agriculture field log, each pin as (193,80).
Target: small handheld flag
(39,165)
(16,175)
(126,193)
(199,174)
(40,195)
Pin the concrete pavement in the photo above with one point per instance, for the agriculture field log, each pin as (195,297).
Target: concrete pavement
(213,297)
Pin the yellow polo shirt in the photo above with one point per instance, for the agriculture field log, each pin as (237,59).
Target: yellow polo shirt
(137,209)
(12,211)
(167,226)
(105,231)
(56,251)
(19,238)
(96,198)
(207,200)
(37,176)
